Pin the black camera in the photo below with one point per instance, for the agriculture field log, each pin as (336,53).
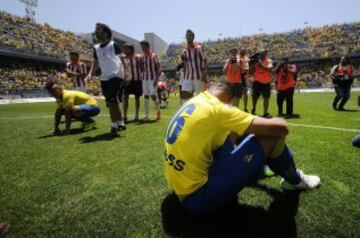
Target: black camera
(255,57)
(233,60)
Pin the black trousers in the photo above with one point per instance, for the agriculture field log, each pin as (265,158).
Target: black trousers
(287,95)
(343,94)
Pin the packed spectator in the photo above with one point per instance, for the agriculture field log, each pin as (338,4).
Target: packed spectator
(25,35)
(326,41)
(20,78)
(20,34)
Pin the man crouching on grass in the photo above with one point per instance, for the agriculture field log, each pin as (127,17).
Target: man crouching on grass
(213,150)
(75,105)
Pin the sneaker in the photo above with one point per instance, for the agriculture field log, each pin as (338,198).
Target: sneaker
(158,115)
(88,125)
(114,131)
(125,120)
(121,126)
(253,112)
(268,172)
(146,119)
(307,182)
(334,106)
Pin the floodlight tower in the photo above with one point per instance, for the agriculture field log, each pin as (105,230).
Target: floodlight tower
(29,8)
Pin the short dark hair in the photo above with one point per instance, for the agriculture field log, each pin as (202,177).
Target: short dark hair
(346,58)
(106,28)
(190,31)
(75,53)
(233,49)
(223,84)
(49,85)
(130,46)
(146,43)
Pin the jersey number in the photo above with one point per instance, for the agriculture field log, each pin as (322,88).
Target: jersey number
(177,123)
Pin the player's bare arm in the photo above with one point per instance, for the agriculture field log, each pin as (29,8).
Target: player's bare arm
(94,67)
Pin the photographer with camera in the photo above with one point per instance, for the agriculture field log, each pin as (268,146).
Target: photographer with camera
(342,79)
(261,67)
(232,69)
(286,75)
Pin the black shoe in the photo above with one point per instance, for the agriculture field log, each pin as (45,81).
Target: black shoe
(125,120)
(114,131)
(246,110)
(267,115)
(341,109)
(253,112)
(121,127)
(288,116)
(280,114)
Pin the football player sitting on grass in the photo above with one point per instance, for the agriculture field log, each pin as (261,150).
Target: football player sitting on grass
(213,150)
(74,105)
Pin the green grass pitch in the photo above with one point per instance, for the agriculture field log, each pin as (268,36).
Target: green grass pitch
(86,185)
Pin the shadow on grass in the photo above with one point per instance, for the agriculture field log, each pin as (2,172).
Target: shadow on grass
(348,110)
(142,122)
(73,131)
(101,137)
(236,219)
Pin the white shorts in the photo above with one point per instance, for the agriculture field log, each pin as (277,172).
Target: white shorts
(196,86)
(148,87)
(181,82)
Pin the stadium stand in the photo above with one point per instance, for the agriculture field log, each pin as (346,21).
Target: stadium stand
(26,36)
(42,51)
(326,41)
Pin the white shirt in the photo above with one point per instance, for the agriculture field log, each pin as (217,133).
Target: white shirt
(110,63)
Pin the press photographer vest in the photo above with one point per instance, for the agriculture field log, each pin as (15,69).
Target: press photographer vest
(233,73)
(345,72)
(260,74)
(285,81)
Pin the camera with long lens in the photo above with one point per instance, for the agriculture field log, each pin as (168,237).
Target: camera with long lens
(255,57)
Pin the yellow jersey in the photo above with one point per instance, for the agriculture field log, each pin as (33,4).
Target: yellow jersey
(197,129)
(73,98)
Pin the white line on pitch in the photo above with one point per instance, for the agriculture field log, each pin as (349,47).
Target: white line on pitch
(165,116)
(324,127)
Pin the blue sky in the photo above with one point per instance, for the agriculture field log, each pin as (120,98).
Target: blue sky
(208,18)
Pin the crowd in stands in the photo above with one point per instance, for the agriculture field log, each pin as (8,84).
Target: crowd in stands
(20,78)
(24,35)
(316,75)
(326,41)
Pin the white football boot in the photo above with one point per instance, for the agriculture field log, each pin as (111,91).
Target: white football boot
(307,182)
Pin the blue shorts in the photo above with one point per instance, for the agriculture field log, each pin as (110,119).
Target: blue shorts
(232,170)
(88,112)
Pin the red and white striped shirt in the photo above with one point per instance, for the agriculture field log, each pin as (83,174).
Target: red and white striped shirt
(150,66)
(194,62)
(133,63)
(80,68)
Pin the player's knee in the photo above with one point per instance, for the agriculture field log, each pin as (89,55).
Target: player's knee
(267,143)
